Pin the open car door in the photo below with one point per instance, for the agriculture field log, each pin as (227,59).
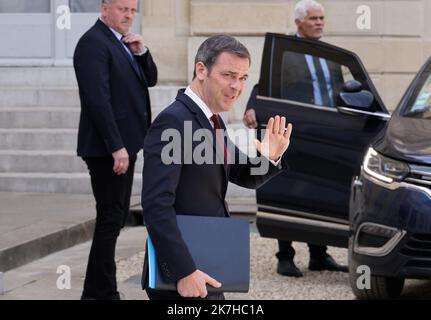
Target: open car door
(328,96)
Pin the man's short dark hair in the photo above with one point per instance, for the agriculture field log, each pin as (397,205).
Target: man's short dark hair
(212,47)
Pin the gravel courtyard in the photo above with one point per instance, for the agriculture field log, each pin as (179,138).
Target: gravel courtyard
(266,284)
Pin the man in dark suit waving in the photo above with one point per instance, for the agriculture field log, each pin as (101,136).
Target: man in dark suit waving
(181,185)
(114,70)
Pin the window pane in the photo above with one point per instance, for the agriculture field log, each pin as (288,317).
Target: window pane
(25,6)
(85,5)
(82,6)
(309,79)
(420,103)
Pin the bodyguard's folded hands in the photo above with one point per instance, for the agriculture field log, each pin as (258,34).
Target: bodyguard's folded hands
(276,139)
(194,285)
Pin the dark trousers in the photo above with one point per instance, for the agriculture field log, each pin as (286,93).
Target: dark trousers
(173,295)
(112,194)
(287,252)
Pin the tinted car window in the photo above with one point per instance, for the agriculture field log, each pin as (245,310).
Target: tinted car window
(285,72)
(419,105)
(309,79)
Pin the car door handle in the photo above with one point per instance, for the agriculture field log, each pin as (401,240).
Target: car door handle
(357,182)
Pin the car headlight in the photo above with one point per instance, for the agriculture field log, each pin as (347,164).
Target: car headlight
(384,169)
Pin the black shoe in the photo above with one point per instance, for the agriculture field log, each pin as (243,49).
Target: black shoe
(288,268)
(326,263)
(116,296)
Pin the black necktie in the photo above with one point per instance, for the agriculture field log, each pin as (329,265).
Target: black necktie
(135,64)
(326,101)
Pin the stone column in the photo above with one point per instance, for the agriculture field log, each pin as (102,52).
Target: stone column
(392,50)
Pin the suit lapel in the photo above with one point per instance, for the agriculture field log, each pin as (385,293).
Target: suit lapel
(205,124)
(120,47)
(198,114)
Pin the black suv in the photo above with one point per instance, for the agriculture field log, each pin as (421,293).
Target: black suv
(358,177)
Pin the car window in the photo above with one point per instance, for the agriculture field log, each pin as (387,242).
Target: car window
(311,72)
(310,79)
(419,105)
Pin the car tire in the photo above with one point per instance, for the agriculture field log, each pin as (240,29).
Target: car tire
(381,288)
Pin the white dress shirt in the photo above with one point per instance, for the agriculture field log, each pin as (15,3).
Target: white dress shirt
(119,36)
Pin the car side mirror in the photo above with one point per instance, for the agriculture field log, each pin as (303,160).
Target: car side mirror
(353,96)
(352,86)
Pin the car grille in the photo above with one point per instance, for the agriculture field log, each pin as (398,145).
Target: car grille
(420,175)
(418,248)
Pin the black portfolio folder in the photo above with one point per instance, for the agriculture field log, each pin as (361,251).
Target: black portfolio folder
(219,246)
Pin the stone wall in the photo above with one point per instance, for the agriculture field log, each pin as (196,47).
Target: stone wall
(392,50)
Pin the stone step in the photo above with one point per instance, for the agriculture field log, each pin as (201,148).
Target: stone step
(47,161)
(39,117)
(50,139)
(54,77)
(39,96)
(37,76)
(38,139)
(62,96)
(79,183)
(42,77)
(48,117)
(73,183)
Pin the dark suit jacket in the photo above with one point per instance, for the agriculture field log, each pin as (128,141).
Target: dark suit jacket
(115,103)
(192,189)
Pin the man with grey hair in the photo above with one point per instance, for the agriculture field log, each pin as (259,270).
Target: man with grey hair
(196,188)
(309,19)
(310,22)
(114,70)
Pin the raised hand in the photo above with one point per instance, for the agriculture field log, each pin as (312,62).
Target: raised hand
(135,42)
(276,139)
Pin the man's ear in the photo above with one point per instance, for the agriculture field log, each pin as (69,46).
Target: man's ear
(201,70)
(297,22)
(104,10)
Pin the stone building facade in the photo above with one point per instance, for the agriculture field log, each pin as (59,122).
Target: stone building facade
(394,47)
(39,101)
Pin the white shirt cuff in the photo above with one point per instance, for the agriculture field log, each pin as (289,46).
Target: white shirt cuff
(142,53)
(275,163)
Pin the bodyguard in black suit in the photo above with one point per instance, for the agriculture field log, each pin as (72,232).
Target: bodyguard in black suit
(114,70)
(173,184)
